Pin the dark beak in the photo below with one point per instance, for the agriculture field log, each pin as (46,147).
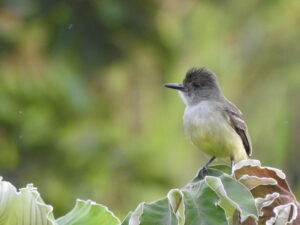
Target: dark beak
(176,86)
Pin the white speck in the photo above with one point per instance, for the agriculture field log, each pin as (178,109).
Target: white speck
(21,136)
(70,26)
(20,112)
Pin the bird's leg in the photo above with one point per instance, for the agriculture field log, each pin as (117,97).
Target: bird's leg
(203,170)
(231,165)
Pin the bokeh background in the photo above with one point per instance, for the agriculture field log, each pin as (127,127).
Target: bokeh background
(83,110)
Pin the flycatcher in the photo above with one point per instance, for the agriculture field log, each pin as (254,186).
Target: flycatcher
(212,122)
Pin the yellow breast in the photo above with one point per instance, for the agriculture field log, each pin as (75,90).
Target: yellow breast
(210,130)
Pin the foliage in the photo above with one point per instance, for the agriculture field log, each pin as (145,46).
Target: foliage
(274,198)
(82,97)
(26,207)
(217,198)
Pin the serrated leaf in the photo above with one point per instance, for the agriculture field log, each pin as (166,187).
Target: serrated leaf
(201,205)
(88,213)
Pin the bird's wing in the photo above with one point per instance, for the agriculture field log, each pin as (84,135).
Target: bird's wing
(239,125)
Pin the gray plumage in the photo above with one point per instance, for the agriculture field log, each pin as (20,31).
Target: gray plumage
(213,123)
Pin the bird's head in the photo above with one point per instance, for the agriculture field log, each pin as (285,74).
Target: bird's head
(199,84)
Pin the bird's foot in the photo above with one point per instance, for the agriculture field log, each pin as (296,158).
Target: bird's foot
(231,166)
(202,172)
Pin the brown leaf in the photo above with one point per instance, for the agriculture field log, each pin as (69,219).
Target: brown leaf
(271,192)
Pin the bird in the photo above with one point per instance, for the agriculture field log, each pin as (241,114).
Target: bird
(213,123)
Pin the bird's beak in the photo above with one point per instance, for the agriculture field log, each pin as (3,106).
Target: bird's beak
(176,86)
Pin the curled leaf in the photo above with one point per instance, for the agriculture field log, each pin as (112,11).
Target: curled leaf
(273,196)
(253,181)
(284,214)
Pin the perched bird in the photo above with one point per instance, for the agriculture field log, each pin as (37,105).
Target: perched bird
(212,122)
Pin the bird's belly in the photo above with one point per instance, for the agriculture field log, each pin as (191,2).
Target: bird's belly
(211,132)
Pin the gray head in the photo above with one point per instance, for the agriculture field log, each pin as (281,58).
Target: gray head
(199,84)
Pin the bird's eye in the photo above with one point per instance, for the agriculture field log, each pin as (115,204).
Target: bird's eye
(196,85)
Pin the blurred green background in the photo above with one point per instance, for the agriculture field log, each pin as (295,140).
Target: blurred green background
(83,110)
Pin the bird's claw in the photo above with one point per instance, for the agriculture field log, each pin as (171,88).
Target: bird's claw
(202,172)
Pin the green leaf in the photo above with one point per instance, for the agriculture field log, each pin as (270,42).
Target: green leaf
(223,168)
(156,213)
(175,197)
(233,196)
(201,205)
(127,218)
(24,207)
(89,213)
(159,212)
